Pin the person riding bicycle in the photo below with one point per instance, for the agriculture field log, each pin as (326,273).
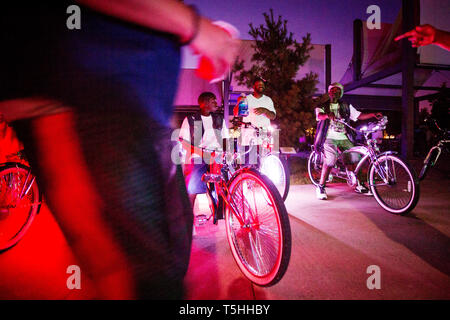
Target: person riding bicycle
(332,135)
(261,111)
(205,129)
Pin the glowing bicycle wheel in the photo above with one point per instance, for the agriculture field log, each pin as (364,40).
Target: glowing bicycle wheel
(261,243)
(394,184)
(277,170)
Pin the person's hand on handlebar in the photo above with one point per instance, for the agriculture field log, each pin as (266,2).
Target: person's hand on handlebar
(378,115)
(331,116)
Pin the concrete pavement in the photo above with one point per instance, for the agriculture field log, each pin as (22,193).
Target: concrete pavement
(334,242)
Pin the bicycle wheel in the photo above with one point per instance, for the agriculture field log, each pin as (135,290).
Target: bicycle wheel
(261,244)
(19,203)
(315,161)
(394,184)
(277,170)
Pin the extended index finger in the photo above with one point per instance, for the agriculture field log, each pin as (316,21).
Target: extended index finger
(406,35)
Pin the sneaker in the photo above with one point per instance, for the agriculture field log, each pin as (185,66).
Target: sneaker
(362,189)
(320,193)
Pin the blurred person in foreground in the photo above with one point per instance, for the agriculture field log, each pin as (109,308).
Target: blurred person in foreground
(92,107)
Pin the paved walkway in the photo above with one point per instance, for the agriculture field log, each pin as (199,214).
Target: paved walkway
(333,244)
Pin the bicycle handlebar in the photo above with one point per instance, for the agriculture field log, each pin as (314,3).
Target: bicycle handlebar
(442,132)
(236,121)
(214,153)
(260,131)
(197,150)
(380,125)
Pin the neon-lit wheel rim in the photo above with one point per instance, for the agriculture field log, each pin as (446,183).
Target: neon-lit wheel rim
(315,167)
(16,216)
(258,245)
(402,194)
(273,168)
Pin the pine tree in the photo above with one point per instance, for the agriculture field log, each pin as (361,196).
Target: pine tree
(277,59)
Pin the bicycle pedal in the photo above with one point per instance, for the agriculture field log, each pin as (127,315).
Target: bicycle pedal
(200,220)
(210,177)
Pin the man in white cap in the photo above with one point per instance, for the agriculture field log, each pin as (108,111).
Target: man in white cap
(332,135)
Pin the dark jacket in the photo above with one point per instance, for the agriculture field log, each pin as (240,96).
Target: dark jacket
(323,125)
(196,123)
(195,120)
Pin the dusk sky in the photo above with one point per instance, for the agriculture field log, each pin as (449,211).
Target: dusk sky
(328,22)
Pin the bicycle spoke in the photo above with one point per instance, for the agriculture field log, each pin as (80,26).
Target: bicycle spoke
(398,192)
(252,210)
(253,214)
(260,214)
(19,202)
(271,240)
(243,202)
(256,251)
(238,206)
(390,171)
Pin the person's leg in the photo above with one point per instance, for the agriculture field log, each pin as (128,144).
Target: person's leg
(146,202)
(53,147)
(329,160)
(324,174)
(193,174)
(351,162)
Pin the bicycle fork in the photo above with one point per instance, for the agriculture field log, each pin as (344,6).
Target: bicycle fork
(229,201)
(221,190)
(429,156)
(385,172)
